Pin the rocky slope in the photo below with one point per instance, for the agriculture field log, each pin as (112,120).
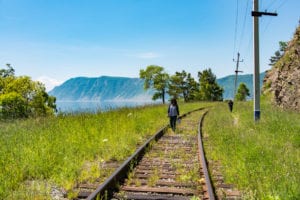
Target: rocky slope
(283,80)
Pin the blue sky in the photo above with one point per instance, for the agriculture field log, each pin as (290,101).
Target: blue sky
(54,40)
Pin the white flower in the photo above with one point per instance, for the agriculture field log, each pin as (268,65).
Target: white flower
(105,140)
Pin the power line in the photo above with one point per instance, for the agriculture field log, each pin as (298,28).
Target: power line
(267,25)
(271,4)
(236,25)
(276,9)
(282,3)
(244,23)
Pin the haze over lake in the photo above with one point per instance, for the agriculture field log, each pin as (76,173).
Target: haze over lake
(94,106)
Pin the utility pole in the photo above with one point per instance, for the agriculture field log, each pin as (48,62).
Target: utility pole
(236,73)
(256,85)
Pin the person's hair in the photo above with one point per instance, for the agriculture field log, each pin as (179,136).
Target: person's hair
(173,101)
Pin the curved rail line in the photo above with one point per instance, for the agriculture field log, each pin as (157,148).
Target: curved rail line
(210,194)
(108,188)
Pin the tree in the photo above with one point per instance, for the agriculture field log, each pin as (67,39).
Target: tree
(7,72)
(279,53)
(21,97)
(12,105)
(193,88)
(182,85)
(242,92)
(209,89)
(155,77)
(178,85)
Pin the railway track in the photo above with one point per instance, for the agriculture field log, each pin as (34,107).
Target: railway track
(168,166)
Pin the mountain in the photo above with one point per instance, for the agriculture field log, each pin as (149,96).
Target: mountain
(103,88)
(107,88)
(228,84)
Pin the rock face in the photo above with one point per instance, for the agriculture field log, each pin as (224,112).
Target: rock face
(283,80)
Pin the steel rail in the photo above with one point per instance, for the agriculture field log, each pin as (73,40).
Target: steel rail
(110,185)
(107,188)
(210,190)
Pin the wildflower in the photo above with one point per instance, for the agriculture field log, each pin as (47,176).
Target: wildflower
(129,114)
(105,140)
(202,180)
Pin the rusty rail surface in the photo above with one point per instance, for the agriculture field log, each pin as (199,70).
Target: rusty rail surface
(209,192)
(107,189)
(109,186)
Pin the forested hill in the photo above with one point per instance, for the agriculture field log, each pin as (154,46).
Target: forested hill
(101,89)
(228,84)
(106,88)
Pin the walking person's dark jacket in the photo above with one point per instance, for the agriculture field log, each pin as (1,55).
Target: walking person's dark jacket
(173,112)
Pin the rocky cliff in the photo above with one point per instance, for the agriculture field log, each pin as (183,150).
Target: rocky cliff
(283,80)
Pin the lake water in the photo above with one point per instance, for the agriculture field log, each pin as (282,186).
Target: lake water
(94,106)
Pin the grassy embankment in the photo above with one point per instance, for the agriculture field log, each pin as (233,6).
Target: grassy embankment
(262,159)
(36,154)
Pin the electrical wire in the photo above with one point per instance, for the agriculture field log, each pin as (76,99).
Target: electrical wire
(271,4)
(244,23)
(236,25)
(282,3)
(271,19)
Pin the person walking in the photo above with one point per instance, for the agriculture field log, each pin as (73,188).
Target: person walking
(230,105)
(173,112)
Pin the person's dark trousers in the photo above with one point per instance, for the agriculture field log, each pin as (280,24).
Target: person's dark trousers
(173,122)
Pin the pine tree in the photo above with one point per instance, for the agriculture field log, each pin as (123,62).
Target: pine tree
(242,92)
(209,88)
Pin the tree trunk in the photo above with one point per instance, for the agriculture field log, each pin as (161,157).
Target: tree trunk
(163,95)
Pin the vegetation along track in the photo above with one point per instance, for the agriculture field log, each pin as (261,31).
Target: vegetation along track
(167,166)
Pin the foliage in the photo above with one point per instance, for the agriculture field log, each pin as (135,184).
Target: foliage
(182,84)
(261,158)
(279,53)
(7,72)
(156,78)
(21,97)
(193,88)
(242,92)
(209,88)
(12,105)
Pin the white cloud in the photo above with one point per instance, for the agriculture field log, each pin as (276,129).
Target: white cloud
(148,55)
(50,83)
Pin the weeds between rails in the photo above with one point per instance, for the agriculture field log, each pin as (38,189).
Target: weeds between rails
(170,170)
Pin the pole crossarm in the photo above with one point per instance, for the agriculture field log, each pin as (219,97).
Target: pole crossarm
(259,14)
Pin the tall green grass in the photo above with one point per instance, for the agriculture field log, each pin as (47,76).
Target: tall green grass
(261,158)
(37,154)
